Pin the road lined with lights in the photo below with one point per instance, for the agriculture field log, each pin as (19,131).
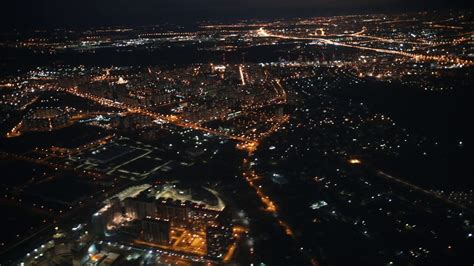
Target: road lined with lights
(424,191)
(242,75)
(418,57)
(172,119)
(269,206)
(175,120)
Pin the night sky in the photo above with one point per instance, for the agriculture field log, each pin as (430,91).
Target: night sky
(30,14)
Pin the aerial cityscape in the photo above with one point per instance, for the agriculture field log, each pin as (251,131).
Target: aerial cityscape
(340,139)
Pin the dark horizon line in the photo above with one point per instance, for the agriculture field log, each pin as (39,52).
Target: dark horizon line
(295,13)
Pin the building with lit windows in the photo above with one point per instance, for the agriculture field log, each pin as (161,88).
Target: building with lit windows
(45,119)
(156,230)
(172,216)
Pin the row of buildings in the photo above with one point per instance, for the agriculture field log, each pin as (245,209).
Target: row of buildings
(160,215)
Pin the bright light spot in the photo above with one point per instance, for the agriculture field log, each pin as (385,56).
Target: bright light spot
(355,161)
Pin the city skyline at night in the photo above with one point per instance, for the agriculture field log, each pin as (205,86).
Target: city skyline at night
(236,133)
(31,15)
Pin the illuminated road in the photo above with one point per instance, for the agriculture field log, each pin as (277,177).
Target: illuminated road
(269,206)
(172,119)
(175,120)
(242,75)
(360,34)
(418,57)
(419,189)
